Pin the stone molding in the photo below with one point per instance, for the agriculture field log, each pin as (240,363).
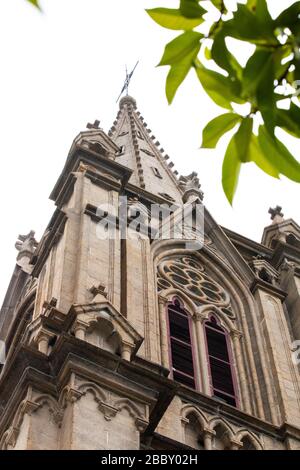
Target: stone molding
(208,423)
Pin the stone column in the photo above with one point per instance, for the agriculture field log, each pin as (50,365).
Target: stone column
(79,330)
(208,435)
(236,338)
(126,351)
(285,396)
(206,389)
(43,342)
(162,303)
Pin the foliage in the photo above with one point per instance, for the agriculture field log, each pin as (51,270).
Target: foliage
(271,75)
(35,3)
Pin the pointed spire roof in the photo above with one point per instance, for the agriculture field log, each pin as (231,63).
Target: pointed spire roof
(140,151)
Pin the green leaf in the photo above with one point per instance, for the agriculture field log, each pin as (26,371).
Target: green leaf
(35,3)
(217,3)
(216,128)
(258,84)
(255,70)
(251,4)
(219,88)
(242,139)
(180,47)
(191,9)
(257,156)
(297,70)
(223,57)
(173,19)
(288,17)
(178,72)
(247,26)
(278,155)
(260,9)
(207,54)
(263,14)
(282,72)
(231,170)
(265,96)
(289,120)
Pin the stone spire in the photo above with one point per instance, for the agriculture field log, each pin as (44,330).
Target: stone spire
(141,152)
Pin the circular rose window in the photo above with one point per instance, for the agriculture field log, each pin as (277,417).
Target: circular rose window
(188,275)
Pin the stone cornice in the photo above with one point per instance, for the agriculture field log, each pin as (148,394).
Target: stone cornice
(146,195)
(104,180)
(287,430)
(147,384)
(284,251)
(51,236)
(66,190)
(167,442)
(97,162)
(259,284)
(50,374)
(211,405)
(286,224)
(91,211)
(243,242)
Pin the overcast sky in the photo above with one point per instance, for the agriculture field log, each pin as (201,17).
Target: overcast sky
(64,68)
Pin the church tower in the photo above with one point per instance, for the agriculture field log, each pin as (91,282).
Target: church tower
(118,336)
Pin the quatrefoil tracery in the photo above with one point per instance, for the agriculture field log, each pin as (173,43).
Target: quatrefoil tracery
(189,276)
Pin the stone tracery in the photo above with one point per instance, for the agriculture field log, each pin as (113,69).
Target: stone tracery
(188,275)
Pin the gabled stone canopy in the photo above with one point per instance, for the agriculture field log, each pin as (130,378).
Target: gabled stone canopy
(124,335)
(97,141)
(286,231)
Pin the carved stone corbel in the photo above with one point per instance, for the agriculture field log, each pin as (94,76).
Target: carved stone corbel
(235,445)
(236,334)
(71,395)
(108,411)
(141,424)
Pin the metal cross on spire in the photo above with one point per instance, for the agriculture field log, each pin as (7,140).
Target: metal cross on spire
(127,81)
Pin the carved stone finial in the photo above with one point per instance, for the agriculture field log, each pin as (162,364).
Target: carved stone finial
(93,126)
(127,100)
(191,186)
(26,245)
(287,265)
(276,215)
(51,303)
(98,290)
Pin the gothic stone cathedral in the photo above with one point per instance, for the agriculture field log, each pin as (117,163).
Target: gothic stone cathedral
(120,343)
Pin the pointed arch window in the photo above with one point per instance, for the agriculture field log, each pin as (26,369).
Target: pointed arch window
(180,344)
(220,362)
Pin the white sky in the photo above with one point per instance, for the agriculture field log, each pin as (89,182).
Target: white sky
(64,68)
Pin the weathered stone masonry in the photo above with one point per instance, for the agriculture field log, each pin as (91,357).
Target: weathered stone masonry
(88,345)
